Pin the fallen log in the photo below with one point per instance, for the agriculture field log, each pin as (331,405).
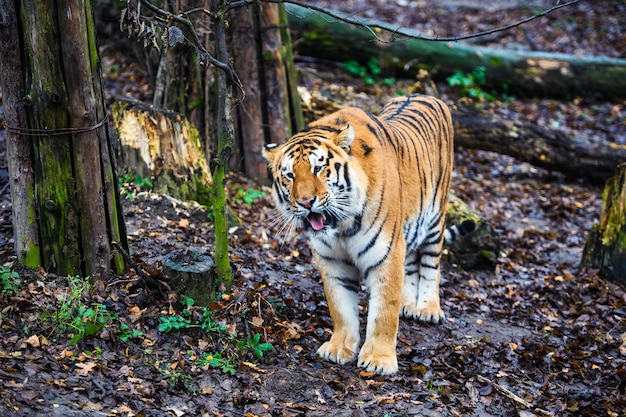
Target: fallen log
(524,73)
(549,149)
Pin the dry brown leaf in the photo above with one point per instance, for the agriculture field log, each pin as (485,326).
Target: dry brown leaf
(85,368)
(33,341)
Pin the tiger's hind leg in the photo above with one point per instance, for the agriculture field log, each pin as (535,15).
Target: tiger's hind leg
(420,295)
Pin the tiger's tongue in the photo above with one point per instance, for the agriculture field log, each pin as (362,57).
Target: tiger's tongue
(316,220)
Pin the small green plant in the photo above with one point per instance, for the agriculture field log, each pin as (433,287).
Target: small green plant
(202,318)
(369,73)
(253,345)
(470,85)
(129,183)
(179,379)
(247,196)
(126,334)
(216,360)
(171,323)
(185,319)
(74,317)
(89,321)
(9,280)
(433,386)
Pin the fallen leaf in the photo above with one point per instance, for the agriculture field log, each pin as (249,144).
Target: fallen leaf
(33,341)
(85,368)
(253,367)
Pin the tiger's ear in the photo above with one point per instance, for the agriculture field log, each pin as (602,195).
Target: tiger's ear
(345,137)
(269,152)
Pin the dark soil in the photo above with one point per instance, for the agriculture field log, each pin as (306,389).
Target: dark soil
(536,336)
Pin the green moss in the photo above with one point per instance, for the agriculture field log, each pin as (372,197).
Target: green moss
(614,207)
(458,211)
(119,107)
(94,57)
(495,60)
(192,190)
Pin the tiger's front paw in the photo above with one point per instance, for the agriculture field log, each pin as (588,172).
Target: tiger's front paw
(380,361)
(336,352)
(428,314)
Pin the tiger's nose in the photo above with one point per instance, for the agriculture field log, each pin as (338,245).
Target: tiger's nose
(307,202)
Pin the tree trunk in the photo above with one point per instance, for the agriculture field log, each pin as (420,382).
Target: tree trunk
(270,111)
(525,73)
(19,147)
(549,149)
(250,116)
(225,139)
(58,140)
(605,249)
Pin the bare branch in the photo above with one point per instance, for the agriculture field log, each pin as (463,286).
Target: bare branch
(206,55)
(401,32)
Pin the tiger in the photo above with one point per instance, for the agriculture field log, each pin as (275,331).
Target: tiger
(371,192)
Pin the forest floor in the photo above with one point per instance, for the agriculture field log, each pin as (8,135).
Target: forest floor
(533,336)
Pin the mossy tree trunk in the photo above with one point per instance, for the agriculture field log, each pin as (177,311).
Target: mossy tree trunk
(66,209)
(606,245)
(225,139)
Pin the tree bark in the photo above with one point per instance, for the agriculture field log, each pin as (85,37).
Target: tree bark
(250,115)
(61,136)
(524,73)
(605,249)
(549,149)
(270,111)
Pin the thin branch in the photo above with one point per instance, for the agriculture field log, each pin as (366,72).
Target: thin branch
(195,40)
(373,26)
(509,394)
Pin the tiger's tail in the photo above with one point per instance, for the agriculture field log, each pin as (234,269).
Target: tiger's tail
(452,233)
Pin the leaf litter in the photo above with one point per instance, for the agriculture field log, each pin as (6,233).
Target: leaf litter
(533,337)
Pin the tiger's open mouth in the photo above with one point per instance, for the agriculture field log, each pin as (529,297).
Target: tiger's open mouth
(317,221)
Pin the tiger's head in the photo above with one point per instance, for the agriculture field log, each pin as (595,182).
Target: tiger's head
(317,184)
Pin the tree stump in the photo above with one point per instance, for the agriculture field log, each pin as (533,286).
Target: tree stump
(163,146)
(605,249)
(478,249)
(192,273)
